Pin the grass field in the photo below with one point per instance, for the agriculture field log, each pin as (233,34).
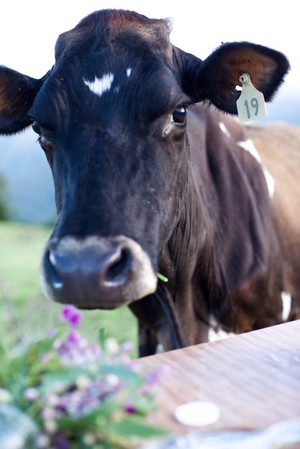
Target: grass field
(24,312)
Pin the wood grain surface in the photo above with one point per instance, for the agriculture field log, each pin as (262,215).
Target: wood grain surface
(253,378)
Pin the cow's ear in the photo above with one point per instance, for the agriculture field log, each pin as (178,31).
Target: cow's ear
(17,93)
(215,79)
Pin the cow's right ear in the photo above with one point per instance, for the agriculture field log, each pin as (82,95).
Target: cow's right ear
(216,78)
(17,93)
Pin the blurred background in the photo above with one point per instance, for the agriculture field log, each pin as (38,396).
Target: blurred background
(28,32)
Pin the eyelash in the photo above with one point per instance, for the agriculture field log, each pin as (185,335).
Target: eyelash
(45,143)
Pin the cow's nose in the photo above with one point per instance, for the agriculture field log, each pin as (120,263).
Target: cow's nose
(111,264)
(96,272)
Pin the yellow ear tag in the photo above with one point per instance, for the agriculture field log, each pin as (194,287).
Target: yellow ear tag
(251,103)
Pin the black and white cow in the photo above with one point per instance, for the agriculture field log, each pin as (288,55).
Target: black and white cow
(149,179)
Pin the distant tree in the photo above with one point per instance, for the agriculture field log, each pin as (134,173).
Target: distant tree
(3,200)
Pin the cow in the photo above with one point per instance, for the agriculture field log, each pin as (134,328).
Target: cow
(154,177)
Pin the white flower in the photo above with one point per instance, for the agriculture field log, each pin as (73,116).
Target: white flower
(48,413)
(42,441)
(52,400)
(50,426)
(111,346)
(112,379)
(31,394)
(82,382)
(89,439)
(5,396)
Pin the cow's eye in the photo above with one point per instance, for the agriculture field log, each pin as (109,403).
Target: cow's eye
(179,115)
(36,128)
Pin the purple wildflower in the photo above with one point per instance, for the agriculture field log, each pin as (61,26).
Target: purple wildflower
(130,409)
(61,442)
(74,349)
(74,338)
(86,397)
(127,346)
(67,312)
(71,315)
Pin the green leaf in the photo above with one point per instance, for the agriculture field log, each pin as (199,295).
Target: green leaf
(124,373)
(35,345)
(134,427)
(162,278)
(102,337)
(62,378)
(143,405)
(3,366)
(91,420)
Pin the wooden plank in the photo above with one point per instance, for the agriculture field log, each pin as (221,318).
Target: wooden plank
(253,378)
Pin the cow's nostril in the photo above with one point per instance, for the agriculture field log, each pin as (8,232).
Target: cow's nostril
(117,272)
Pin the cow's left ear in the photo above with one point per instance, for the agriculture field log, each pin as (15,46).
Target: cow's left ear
(17,93)
(216,78)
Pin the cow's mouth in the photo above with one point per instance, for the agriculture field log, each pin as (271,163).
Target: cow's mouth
(101,273)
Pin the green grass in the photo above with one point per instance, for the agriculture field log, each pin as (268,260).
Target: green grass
(24,312)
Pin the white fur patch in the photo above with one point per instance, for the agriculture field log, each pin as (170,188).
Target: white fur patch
(128,72)
(100,85)
(215,332)
(224,129)
(214,335)
(248,145)
(286,305)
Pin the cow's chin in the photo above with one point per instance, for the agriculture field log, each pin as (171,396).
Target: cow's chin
(96,273)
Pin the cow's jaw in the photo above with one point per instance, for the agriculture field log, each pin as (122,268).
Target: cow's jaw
(96,272)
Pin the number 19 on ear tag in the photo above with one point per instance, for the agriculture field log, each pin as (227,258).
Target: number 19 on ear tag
(251,103)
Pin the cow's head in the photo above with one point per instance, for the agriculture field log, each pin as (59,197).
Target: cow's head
(111,116)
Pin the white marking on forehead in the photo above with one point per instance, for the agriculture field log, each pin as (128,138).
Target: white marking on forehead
(100,85)
(286,305)
(249,146)
(128,72)
(224,129)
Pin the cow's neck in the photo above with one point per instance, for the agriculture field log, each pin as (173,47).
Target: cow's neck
(205,263)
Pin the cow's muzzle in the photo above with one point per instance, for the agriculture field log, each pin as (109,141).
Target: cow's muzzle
(94,272)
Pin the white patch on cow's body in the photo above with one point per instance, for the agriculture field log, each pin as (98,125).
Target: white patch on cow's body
(270,182)
(214,335)
(224,129)
(159,348)
(100,85)
(128,72)
(286,305)
(215,332)
(249,146)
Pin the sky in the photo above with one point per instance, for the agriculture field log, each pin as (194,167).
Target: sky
(29,29)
